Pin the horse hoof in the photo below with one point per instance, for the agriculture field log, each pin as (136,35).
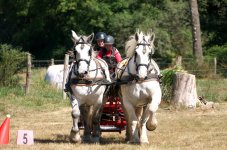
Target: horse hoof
(74,140)
(96,139)
(127,140)
(135,142)
(151,127)
(144,142)
(87,139)
(74,137)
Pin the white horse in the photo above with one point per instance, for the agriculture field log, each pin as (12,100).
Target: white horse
(141,92)
(86,94)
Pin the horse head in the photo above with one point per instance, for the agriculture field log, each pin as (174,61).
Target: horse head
(142,53)
(83,53)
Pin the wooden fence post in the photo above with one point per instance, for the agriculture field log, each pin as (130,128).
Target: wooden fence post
(215,65)
(28,73)
(52,61)
(179,61)
(65,73)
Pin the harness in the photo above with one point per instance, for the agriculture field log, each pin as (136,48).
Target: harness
(132,78)
(90,81)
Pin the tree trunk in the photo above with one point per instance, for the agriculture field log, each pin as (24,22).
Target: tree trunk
(184,90)
(196,33)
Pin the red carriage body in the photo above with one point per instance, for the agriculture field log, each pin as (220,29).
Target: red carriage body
(113,119)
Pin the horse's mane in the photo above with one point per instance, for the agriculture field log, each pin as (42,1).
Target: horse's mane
(131,44)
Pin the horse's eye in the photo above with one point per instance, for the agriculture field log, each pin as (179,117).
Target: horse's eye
(150,55)
(89,52)
(74,52)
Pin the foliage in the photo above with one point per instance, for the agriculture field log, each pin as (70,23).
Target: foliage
(167,81)
(43,27)
(218,51)
(213,21)
(12,61)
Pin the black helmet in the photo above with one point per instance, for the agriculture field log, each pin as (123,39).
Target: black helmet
(100,36)
(109,40)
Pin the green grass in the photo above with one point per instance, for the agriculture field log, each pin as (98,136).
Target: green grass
(212,89)
(41,96)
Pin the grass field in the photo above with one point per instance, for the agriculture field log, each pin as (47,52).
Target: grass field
(48,115)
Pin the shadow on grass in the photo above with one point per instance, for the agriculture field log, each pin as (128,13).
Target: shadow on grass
(59,138)
(112,140)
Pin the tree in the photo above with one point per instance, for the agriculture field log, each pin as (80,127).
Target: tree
(196,33)
(12,62)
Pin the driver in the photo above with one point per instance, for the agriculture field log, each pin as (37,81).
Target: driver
(110,54)
(99,42)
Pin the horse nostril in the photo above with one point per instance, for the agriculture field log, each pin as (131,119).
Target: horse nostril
(138,78)
(81,75)
(85,72)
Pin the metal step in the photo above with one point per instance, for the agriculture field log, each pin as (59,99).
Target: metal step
(111,129)
(107,128)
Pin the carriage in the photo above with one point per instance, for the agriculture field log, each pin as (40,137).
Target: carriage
(112,119)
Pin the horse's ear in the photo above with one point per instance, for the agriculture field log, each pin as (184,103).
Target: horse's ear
(90,38)
(152,37)
(74,36)
(137,36)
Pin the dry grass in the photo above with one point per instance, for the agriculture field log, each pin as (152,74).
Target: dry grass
(185,129)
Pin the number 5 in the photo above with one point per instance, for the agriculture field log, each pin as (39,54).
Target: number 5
(25,139)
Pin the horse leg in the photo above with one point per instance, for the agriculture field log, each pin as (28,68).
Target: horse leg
(85,112)
(127,133)
(132,121)
(75,132)
(139,113)
(143,129)
(152,121)
(97,113)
